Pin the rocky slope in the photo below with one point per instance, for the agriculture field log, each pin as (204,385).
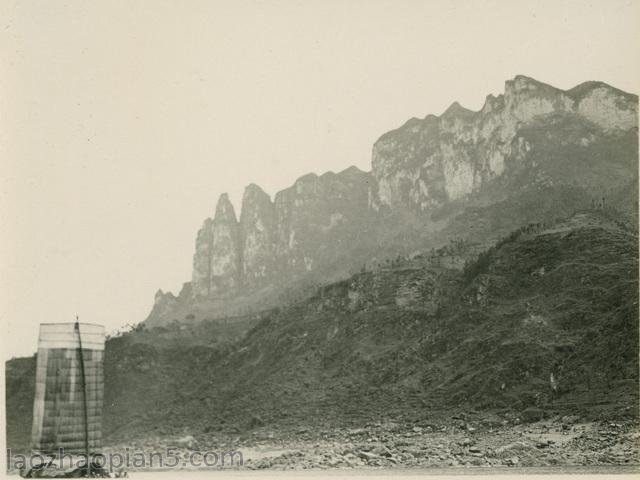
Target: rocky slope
(542,324)
(427,177)
(426,163)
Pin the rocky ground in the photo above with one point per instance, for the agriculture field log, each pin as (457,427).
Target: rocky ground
(567,443)
(560,442)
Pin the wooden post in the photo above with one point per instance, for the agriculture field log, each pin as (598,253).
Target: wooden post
(84,394)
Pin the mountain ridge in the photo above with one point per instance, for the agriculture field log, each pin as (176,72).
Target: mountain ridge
(417,169)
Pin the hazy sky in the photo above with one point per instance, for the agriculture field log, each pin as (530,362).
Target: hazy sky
(122,122)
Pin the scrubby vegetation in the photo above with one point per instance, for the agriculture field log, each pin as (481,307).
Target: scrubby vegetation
(544,322)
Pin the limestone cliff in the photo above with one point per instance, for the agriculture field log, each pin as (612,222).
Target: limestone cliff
(257,240)
(429,162)
(217,259)
(533,136)
(201,276)
(225,252)
(314,215)
(277,240)
(163,304)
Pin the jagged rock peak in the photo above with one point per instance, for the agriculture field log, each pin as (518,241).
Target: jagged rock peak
(257,223)
(256,204)
(224,209)
(457,110)
(430,120)
(522,83)
(586,88)
(254,192)
(492,103)
(185,291)
(309,177)
(351,171)
(201,273)
(161,296)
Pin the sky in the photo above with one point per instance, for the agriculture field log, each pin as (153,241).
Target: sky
(121,122)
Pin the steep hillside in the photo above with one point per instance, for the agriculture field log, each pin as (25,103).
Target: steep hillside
(555,300)
(543,322)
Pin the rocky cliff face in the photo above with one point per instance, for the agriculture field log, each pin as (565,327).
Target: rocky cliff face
(315,215)
(531,136)
(226,256)
(217,262)
(291,235)
(429,162)
(257,238)
(201,276)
